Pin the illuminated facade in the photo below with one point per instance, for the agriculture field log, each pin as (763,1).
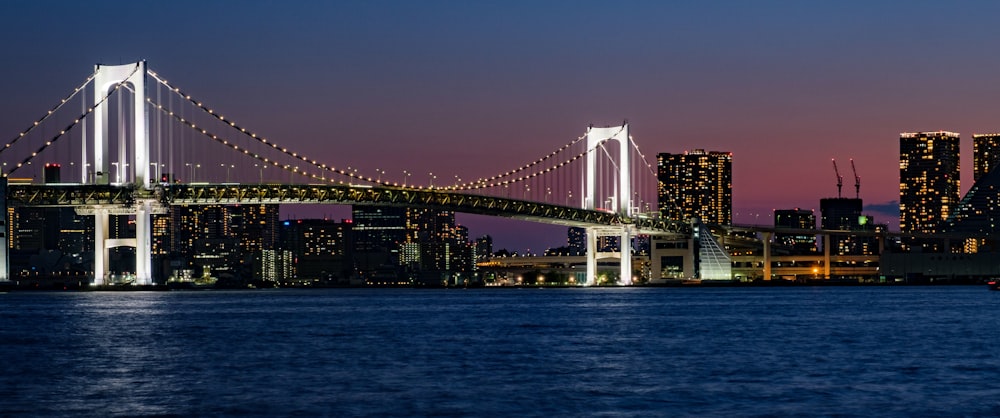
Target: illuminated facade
(928,180)
(577,240)
(441,245)
(320,249)
(696,184)
(978,215)
(985,154)
(484,247)
(224,237)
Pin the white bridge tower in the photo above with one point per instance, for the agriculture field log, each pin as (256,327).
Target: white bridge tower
(107,77)
(620,203)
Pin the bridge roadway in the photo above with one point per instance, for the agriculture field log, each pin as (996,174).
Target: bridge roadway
(126,195)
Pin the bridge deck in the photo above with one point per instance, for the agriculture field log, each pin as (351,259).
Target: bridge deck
(77,195)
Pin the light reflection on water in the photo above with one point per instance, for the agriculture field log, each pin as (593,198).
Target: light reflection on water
(535,352)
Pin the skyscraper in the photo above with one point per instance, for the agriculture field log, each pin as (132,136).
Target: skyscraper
(985,154)
(696,183)
(928,179)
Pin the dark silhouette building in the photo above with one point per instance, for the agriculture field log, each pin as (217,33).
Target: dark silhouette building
(801,242)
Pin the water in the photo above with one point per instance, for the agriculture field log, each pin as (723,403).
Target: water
(858,351)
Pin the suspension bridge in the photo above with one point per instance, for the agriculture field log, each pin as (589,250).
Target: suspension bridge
(137,145)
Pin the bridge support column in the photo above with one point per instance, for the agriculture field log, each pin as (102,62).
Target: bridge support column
(100,246)
(826,256)
(626,259)
(4,229)
(143,247)
(767,255)
(591,256)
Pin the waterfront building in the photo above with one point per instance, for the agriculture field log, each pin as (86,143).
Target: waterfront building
(928,180)
(845,214)
(378,232)
(443,245)
(484,247)
(320,249)
(59,240)
(696,184)
(801,219)
(229,239)
(977,216)
(985,154)
(577,240)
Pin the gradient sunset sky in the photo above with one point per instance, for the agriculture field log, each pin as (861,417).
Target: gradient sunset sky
(475,88)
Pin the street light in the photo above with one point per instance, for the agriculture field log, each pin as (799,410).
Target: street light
(406,176)
(432,177)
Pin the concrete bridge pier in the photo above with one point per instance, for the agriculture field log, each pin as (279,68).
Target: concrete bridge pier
(4,239)
(100,246)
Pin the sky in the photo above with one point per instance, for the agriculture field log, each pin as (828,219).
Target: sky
(472,88)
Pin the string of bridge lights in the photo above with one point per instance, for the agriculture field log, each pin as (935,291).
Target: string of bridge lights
(641,155)
(74,123)
(54,109)
(265,141)
(479,184)
(462,186)
(246,151)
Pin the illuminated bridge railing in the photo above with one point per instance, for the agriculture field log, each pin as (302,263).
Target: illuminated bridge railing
(208,194)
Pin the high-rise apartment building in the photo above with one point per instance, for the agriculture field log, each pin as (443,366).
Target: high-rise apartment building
(985,154)
(928,180)
(696,184)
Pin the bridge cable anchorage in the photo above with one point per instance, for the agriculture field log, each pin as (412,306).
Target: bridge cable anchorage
(50,112)
(74,123)
(264,140)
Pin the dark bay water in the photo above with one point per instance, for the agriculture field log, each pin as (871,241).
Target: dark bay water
(859,351)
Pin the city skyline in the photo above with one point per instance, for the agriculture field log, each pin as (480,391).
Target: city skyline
(784,87)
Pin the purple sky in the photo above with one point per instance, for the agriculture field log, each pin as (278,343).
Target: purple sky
(474,88)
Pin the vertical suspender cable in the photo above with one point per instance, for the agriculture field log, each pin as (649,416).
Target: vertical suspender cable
(121,138)
(83,139)
(159,137)
(170,141)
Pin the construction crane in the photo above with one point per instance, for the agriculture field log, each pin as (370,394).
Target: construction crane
(857,181)
(840,179)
